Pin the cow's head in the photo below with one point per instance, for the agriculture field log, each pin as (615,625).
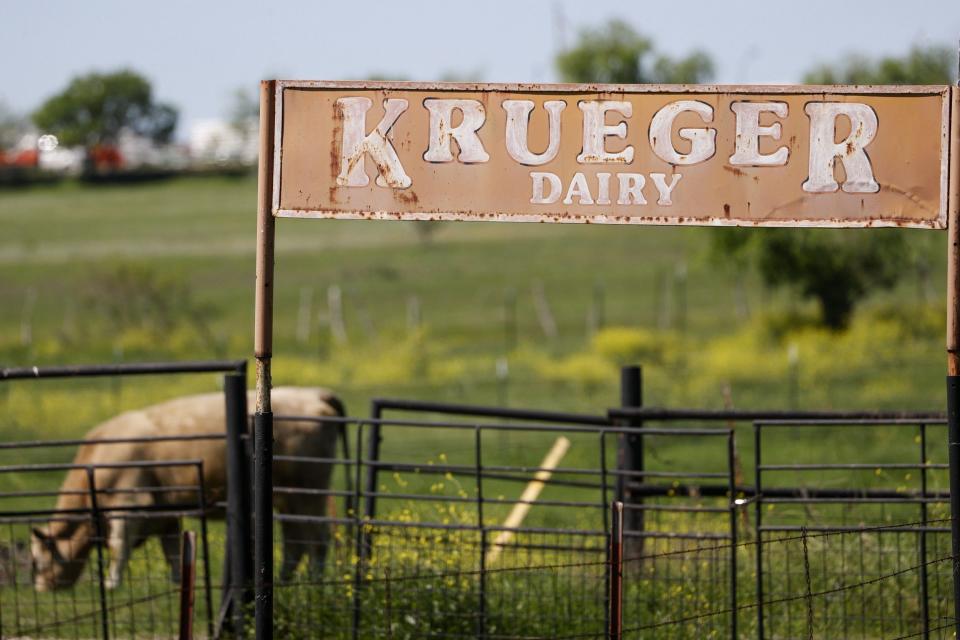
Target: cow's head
(57,562)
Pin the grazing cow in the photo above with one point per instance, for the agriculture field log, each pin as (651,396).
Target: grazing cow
(61,547)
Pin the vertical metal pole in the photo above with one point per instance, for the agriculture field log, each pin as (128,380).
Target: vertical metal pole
(360,538)
(263,524)
(3,389)
(731,466)
(758,514)
(239,505)
(99,532)
(606,525)
(953,427)
(263,351)
(207,589)
(478,471)
(924,578)
(953,346)
(188,574)
(615,571)
(630,457)
(373,457)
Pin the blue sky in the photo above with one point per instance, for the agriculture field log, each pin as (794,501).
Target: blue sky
(198,52)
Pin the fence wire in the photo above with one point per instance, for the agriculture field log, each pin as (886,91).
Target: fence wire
(706,554)
(404,598)
(56,565)
(418,566)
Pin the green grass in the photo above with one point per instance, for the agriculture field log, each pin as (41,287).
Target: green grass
(66,248)
(63,246)
(165,271)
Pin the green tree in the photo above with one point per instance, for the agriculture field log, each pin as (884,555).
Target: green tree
(922,65)
(96,107)
(836,267)
(840,267)
(615,53)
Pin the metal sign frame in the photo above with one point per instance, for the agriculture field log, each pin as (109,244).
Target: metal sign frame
(271,104)
(713,173)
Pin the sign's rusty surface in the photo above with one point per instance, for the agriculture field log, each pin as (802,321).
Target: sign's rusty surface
(772,156)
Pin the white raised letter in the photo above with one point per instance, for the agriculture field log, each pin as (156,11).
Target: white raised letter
(664,189)
(578,188)
(595,131)
(702,141)
(603,188)
(747,145)
(465,133)
(555,187)
(824,151)
(356,144)
(518,120)
(631,188)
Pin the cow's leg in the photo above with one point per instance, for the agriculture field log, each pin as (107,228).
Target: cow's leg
(118,541)
(293,548)
(170,541)
(318,551)
(318,531)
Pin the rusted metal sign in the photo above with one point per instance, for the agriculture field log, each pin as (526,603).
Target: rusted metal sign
(770,156)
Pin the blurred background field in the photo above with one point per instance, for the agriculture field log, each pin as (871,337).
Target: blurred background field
(517,315)
(474,311)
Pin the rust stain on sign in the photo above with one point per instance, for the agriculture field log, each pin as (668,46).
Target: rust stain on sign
(770,156)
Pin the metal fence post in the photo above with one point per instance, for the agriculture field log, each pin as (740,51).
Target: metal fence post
(606,525)
(188,575)
(361,539)
(478,476)
(99,532)
(732,479)
(207,588)
(630,456)
(924,576)
(953,428)
(239,502)
(615,571)
(370,486)
(757,524)
(263,352)
(263,524)
(953,350)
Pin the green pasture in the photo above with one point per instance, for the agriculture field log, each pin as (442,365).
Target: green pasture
(164,270)
(66,250)
(455,312)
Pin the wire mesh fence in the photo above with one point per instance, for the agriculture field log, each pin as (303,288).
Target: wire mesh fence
(836,536)
(498,525)
(93,549)
(425,566)
(424,582)
(712,557)
(437,560)
(102,563)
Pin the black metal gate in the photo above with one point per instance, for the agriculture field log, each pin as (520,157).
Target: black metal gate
(94,600)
